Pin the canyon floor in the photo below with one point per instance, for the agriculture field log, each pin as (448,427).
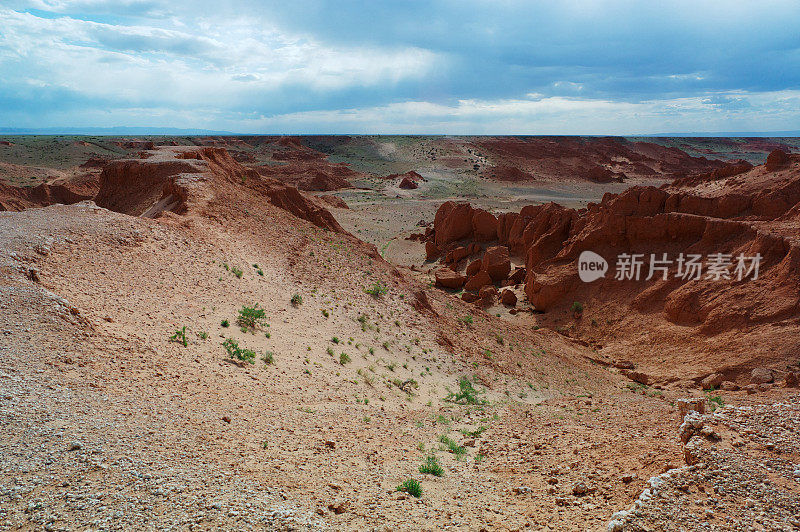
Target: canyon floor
(135,262)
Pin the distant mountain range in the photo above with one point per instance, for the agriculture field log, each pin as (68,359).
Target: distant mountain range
(795,133)
(174,131)
(112,131)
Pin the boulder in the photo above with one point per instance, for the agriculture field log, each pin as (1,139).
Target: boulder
(431,251)
(496,263)
(729,386)
(518,276)
(691,404)
(488,295)
(713,381)
(761,376)
(509,298)
(447,278)
(469,297)
(776,160)
(457,254)
(637,376)
(473,267)
(484,225)
(478,281)
(453,221)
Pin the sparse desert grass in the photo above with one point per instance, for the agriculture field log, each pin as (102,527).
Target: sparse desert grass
(468,319)
(377,289)
(296,300)
(237,272)
(467,394)
(268,358)
(251,317)
(180,337)
(431,466)
(452,446)
(344,358)
(412,487)
(473,433)
(239,353)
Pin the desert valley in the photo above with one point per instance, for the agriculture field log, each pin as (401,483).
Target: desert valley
(391,333)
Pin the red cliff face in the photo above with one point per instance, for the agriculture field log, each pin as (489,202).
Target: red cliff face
(66,191)
(188,180)
(734,211)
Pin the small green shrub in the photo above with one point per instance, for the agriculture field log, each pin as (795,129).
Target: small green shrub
(225,323)
(473,433)
(335,339)
(268,358)
(180,337)
(377,289)
(412,487)
(431,467)
(715,401)
(237,272)
(452,446)
(467,319)
(202,335)
(344,358)
(239,353)
(251,317)
(297,300)
(467,394)
(577,307)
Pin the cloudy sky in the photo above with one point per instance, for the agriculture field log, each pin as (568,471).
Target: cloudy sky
(435,66)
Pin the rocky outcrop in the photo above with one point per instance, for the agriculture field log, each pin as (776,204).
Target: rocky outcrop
(484,225)
(776,160)
(508,173)
(447,278)
(65,191)
(453,221)
(306,168)
(496,263)
(408,184)
(181,180)
(601,174)
(600,160)
(334,201)
(733,212)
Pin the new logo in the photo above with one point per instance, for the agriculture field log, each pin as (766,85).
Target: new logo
(591,266)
